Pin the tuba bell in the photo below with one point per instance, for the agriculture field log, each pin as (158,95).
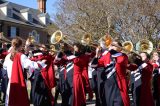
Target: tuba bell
(144,45)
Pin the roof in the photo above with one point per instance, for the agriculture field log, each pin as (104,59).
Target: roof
(17,16)
(2,1)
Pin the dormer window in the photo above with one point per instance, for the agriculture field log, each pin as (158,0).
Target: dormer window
(44,18)
(6,9)
(47,21)
(9,12)
(27,14)
(30,17)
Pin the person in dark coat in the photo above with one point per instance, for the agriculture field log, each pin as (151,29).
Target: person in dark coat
(143,69)
(115,82)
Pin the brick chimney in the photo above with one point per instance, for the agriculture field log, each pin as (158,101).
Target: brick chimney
(42,5)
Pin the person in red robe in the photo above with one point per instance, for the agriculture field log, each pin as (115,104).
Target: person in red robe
(79,96)
(142,94)
(115,63)
(45,80)
(156,77)
(88,55)
(14,63)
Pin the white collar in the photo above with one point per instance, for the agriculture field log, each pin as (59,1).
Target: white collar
(37,54)
(105,52)
(117,55)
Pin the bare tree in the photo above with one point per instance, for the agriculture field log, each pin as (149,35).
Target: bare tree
(125,19)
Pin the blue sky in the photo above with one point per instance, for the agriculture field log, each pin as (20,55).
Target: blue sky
(33,4)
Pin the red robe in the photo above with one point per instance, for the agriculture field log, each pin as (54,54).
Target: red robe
(157,66)
(79,97)
(48,73)
(3,55)
(146,97)
(85,76)
(121,66)
(18,91)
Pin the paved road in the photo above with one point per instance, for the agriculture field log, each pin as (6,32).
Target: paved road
(89,103)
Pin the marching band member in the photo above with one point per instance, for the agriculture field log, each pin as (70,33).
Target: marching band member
(3,73)
(97,80)
(44,80)
(80,62)
(14,63)
(115,83)
(89,54)
(64,86)
(156,77)
(142,93)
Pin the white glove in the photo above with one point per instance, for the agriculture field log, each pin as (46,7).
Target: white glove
(42,63)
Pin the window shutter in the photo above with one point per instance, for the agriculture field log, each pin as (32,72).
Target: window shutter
(17,31)
(9,31)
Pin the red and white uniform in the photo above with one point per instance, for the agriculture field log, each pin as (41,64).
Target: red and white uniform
(16,94)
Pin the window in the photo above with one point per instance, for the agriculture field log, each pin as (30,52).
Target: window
(13,32)
(47,21)
(30,17)
(9,12)
(37,38)
(36,35)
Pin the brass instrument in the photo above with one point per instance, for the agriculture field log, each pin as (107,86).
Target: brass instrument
(30,40)
(144,45)
(87,40)
(58,37)
(52,50)
(128,46)
(107,39)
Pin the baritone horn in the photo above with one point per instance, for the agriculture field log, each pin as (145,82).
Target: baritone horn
(87,40)
(127,46)
(107,40)
(58,36)
(144,45)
